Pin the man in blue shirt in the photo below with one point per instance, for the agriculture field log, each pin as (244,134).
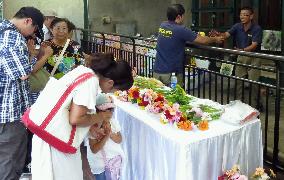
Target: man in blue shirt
(15,67)
(248,37)
(171,45)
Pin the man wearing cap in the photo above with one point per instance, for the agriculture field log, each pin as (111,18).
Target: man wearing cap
(15,67)
(49,15)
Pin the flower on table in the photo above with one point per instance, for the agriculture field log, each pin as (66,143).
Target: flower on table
(260,174)
(203,125)
(133,94)
(148,97)
(121,95)
(185,124)
(172,104)
(236,168)
(238,176)
(235,174)
(259,171)
(142,102)
(171,114)
(159,98)
(206,116)
(156,107)
(198,112)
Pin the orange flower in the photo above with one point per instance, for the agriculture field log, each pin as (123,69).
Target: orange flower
(133,92)
(203,125)
(185,125)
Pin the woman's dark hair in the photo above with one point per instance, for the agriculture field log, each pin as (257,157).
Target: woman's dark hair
(118,71)
(175,10)
(71,26)
(56,20)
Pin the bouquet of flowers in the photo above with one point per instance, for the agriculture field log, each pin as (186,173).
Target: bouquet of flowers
(133,94)
(157,104)
(259,174)
(121,95)
(171,114)
(147,96)
(176,107)
(233,174)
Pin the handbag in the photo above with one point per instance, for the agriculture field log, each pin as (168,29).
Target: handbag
(112,167)
(39,79)
(48,117)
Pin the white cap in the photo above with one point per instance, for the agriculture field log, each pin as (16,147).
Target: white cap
(49,12)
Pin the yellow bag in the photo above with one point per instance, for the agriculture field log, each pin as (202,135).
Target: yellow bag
(38,80)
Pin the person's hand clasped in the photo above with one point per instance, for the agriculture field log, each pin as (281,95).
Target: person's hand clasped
(101,132)
(48,51)
(45,50)
(214,33)
(219,39)
(32,47)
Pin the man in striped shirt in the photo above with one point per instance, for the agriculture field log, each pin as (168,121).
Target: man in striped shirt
(15,67)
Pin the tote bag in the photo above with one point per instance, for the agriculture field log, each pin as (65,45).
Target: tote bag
(48,117)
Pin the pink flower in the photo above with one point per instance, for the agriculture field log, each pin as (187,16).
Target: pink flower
(243,177)
(198,111)
(235,176)
(176,106)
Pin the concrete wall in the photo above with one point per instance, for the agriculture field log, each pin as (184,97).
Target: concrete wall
(146,14)
(71,9)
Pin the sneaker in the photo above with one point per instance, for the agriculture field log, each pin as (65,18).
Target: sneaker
(26,176)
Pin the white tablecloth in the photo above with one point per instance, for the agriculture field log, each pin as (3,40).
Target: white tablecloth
(160,152)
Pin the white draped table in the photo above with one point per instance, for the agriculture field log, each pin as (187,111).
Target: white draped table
(161,152)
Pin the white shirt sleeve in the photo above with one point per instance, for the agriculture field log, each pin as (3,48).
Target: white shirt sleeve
(115,127)
(85,94)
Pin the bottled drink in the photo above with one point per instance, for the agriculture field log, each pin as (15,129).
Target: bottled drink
(173,81)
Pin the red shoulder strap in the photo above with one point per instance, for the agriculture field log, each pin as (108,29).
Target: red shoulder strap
(82,78)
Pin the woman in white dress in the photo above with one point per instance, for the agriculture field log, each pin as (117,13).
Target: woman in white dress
(49,163)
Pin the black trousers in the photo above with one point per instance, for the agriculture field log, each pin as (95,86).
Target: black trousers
(13,143)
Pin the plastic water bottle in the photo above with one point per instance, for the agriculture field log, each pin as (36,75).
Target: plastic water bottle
(173,81)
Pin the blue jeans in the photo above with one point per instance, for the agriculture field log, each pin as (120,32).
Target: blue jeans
(101,176)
